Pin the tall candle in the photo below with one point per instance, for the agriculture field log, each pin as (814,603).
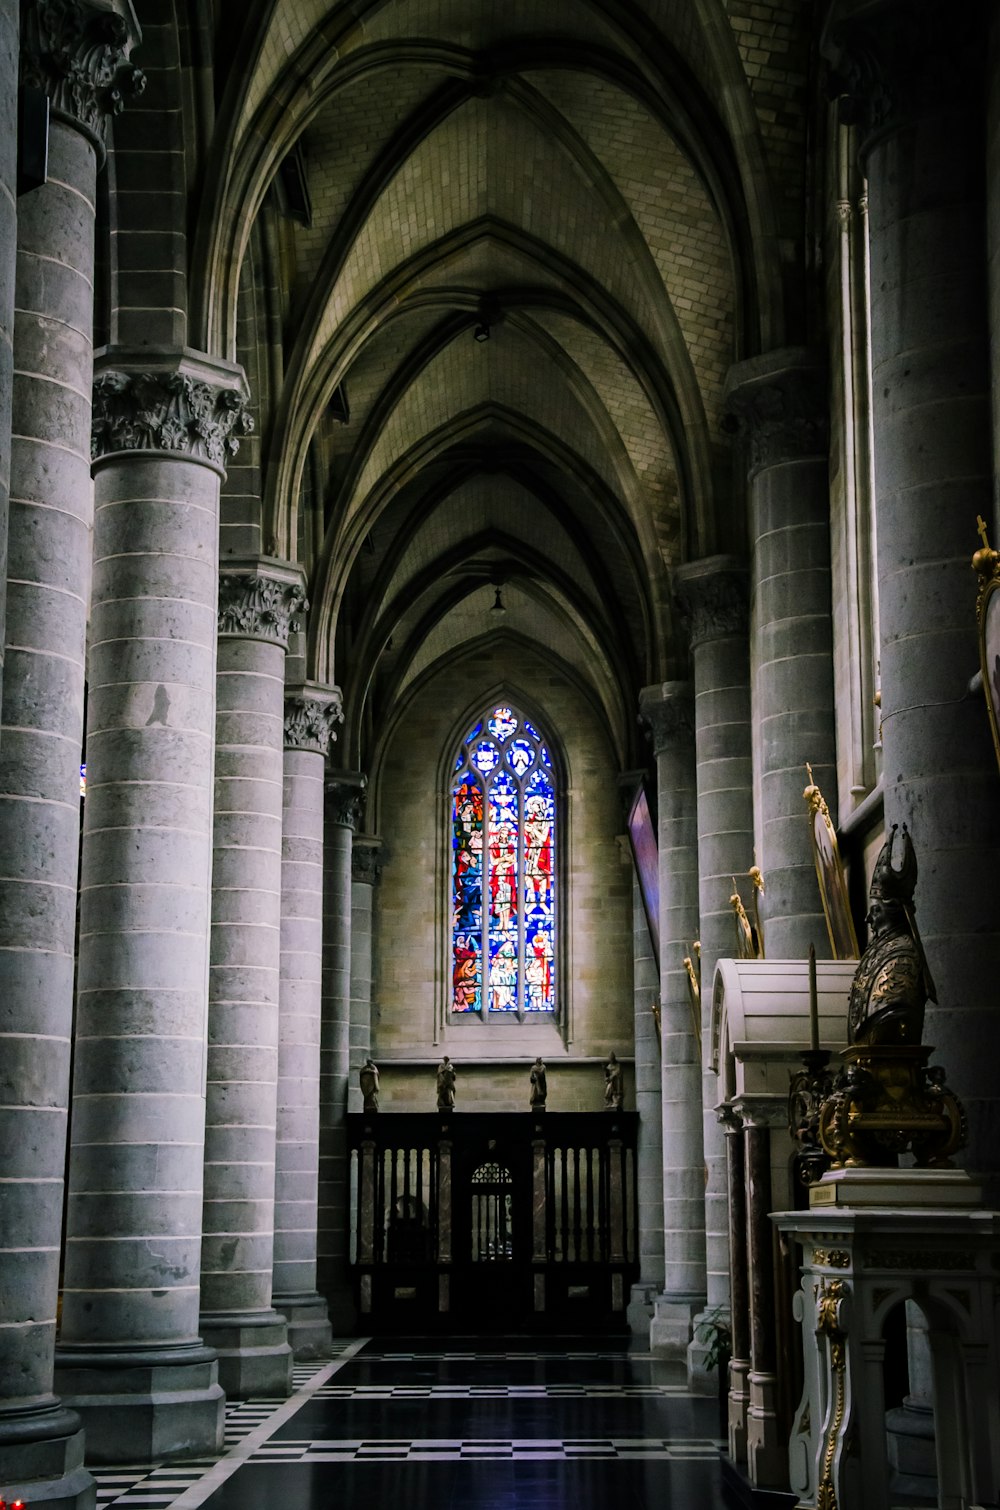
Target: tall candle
(813,1001)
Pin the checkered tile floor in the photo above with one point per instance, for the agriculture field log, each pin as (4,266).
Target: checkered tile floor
(157,1488)
(362,1434)
(528,1449)
(497,1391)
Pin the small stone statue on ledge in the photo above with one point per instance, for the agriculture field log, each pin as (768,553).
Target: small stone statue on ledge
(446,1085)
(368,1076)
(539,1088)
(612,1084)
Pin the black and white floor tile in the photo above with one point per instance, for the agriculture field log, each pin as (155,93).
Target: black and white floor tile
(518,1427)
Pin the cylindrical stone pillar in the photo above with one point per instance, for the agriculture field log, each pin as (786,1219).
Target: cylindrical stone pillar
(51,503)
(921,106)
(344,792)
(668,710)
(649,1150)
(739,1287)
(257,602)
(713,598)
(778,403)
(130,1356)
(993,244)
(366,869)
(310,712)
(9,30)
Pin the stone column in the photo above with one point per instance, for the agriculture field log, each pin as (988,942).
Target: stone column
(915,80)
(713,599)
(649,1152)
(76,55)
(130,1356)
(668,710)
(9,40)
(778,404)
(766,1445)
(739,1287)
(258,600)
(310,713)
(993,244)
(366,869)
(344,791)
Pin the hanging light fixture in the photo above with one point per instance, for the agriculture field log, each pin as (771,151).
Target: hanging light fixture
(498,603)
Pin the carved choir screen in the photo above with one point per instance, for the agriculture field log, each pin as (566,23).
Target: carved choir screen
(503,822)
(548,1201)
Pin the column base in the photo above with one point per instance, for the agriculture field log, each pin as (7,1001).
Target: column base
(254,1355)
(144,1406)
(739,1403)
(670,1328)
(310,1334)
(639,1312)
(912,1452)
(767,1451)
(41,1458)
(704,1355)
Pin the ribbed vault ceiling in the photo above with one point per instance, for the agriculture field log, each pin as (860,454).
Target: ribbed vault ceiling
(563,179)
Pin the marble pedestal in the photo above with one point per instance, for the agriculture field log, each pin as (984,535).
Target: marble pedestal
(931,1242)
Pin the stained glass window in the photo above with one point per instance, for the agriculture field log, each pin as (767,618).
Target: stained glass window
(503,811)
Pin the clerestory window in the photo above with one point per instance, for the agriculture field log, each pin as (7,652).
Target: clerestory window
(503,902)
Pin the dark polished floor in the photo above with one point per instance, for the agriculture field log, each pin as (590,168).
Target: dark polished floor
(519,1425)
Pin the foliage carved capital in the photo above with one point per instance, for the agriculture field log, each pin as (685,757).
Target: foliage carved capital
(777,405)
(167,411)
(367,859)
(310,720)
(257,605)
(667,711)
(713,599)
(345,793)
(892,60)
(77,53)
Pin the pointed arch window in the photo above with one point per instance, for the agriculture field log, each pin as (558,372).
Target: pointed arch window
(503,883)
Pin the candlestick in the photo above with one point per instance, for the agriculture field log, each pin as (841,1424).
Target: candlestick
(813,1001)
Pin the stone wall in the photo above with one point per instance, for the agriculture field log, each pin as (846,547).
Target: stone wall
(595,901)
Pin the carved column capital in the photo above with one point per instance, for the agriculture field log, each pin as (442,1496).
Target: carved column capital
(345,792)
(891,60)
(367,859)
(777,404)
(182,403)
(260,600)
(713,598)
(78,54)
(667,711)
(310,714)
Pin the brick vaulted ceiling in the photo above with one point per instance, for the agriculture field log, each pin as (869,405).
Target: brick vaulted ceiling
(611,189)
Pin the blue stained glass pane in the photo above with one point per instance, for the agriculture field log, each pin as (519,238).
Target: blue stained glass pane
(530,729)
(467,897)
(520,755)
(485,757)
(546,758)
(458,762)
(503,904)
(502,723)
(474,732)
